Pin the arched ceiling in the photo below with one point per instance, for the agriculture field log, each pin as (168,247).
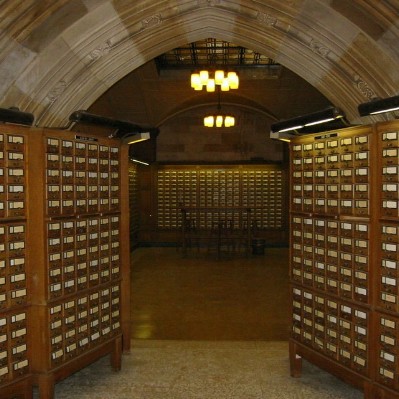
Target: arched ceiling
(62,55)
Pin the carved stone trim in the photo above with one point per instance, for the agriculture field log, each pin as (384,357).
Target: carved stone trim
(99,52)
(149,22)
(319,48)
(266,19)
(56,91)
(211,3)
(363,87)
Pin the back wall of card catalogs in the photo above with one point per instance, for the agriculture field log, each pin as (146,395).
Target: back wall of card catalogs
(344,258)
(261,188)
(64,272)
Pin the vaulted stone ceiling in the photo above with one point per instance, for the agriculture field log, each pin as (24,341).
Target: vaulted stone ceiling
(58,56)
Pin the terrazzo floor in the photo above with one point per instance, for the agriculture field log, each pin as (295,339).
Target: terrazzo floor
(206,328)
(203,370)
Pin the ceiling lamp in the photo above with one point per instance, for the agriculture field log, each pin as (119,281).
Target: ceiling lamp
(378,106)
(225,81)
(300,122)
(219,119)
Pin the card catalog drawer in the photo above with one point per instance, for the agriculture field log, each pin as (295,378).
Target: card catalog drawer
(390,139)
(390,174)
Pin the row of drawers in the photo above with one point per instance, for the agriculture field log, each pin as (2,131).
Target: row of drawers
(80,149)
(89,225)
(350,207)
(75,278)
(331,161)
(84,163)
(332,145)
(219,174)
(329,227)
(56,207)
(330,191)
(342,145)
(331,176)
(352,288)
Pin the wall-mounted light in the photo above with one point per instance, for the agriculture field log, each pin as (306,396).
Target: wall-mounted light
(132,138)
(140,162)
(282,136)
(14,115)
(128,132)
(315,118)
(378,106)
(92,119)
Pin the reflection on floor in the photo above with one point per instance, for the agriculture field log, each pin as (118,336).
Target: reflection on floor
(204,328)
(200,297)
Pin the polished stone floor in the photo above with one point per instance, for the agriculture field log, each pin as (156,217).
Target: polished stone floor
(206,328)
(201,297)
(176,369)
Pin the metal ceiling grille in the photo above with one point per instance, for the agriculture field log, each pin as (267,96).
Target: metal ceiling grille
(210,52)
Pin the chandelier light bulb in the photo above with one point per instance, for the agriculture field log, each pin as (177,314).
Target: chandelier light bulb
(204,76)
(210,86)
(229,121)
(209,121)
(233,80)
(195,80)
(219,76)
(225,86)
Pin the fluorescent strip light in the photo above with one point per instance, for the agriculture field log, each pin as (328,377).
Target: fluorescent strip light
(135,137)
(320,121)
(141,162)
(327,115)
(282,136)
(384,110)
(291,128)
(378,106)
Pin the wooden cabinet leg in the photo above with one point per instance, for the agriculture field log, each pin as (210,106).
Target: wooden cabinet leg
(369,392)
(116,355)
(295,361)
(28,390)
(46,386)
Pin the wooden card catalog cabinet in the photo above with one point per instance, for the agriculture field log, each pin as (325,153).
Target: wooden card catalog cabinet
(261,188)
(15,349)
(355,324)
(331,252)
(62,264)
(82,285)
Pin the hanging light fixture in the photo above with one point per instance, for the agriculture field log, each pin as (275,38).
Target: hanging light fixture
(226,81)
(219,119)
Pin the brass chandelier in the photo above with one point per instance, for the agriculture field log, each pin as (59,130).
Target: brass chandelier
(219,119)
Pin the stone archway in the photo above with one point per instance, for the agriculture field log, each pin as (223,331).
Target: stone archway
(112,38)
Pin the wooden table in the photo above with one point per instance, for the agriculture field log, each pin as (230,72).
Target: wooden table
(227,228)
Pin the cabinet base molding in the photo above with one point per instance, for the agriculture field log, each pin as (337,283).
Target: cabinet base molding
(297,352)
(46,381)
(381,392)
(21,389)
